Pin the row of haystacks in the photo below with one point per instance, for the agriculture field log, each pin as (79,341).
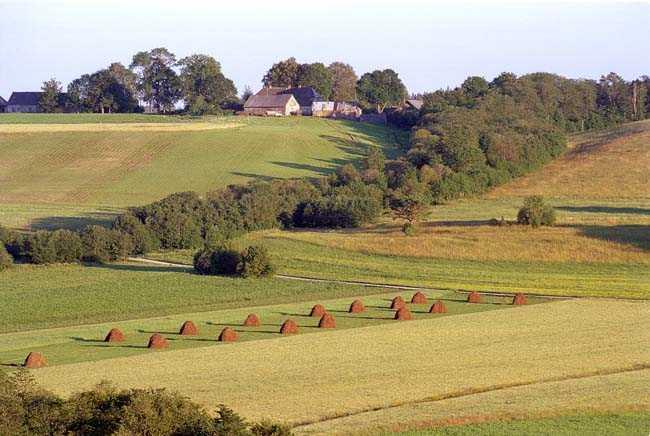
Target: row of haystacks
(288,327)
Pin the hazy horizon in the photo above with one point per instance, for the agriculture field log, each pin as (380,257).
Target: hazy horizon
(431,46)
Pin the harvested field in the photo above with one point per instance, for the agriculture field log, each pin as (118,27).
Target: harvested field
(528,351)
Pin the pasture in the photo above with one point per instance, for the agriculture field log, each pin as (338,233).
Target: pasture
(68,170)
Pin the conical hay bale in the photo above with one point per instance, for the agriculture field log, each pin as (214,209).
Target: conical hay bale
(438,307)
(357,307)
(397,303)
(403,314)
(157,341)
(252,320)
(35,360)
(419,298)
(318,310)
(474,297)
(289,327)
(520,299)
(188,329)
(327,322)
(114,335)
(228,335)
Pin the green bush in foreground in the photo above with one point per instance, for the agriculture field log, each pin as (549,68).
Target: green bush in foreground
(26,409)
(256,262)
(535,212)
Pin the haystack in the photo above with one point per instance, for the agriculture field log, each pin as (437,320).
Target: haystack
(397,303)
(357,307)
(35,360)
(252,320)
(114,335)
(520,299)
(289,327)
(327,322)
(228,335)
(438,307)
(157,342)
(419,298)
(403,314)
(474,297)
(188,329)
(318,310)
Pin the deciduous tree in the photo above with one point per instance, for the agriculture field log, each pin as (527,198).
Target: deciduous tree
(51,93)
(158,84)
(205,88)
(381,88)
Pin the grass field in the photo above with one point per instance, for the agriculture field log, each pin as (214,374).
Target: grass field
(67,170)
(85,342)
(312,378)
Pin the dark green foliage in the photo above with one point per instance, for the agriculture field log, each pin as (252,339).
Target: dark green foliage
(205,89)
(225,262)
(317,76)
(535,212)
(143,239)
(67,245)
(256,262)
(102,245)
(380,89)
(39,248)
(27,410)
(6,260)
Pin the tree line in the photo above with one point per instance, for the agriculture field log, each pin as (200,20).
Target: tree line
(158,79)
(26,409)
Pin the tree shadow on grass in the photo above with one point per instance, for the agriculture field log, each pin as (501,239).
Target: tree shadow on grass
(636,235)
(160,332)
(104,219)
(606,209)
(92,341)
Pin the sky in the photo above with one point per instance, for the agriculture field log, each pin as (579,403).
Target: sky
(430,44)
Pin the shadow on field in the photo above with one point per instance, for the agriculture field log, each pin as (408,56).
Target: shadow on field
(73,222)
(633,234)
(606,209)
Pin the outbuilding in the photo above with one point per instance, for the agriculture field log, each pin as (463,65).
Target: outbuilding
(24,102)
(271,105)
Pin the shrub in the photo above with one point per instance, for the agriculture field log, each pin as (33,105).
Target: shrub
(67,245)
(39,248)
(535,212)
(409,229)
(203,262)
(225,262)
(5,258)
(266,428)
(256,262)
(101,244)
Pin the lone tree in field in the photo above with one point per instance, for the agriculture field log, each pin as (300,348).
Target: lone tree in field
(381,88)
(535,212)
(409,202)
(51,93)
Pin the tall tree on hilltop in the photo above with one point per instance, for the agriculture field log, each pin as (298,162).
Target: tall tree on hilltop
(283,74)
(109,90)
(205,88)
(344,82)
(49,101)
(158,84)
(381,88)
(317,76)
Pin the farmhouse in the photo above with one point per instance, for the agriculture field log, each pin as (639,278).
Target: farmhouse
(279,104)
(304,95)
(3,105)
(414,104)
(24,102)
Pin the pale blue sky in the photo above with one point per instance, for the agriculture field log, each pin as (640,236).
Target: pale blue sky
(430,44)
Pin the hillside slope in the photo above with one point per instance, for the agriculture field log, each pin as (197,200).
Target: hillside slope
(50,171)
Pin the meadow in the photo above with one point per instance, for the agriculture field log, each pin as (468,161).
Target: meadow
(70,170)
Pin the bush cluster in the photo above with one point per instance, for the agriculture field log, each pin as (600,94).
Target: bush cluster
(27,410)
(254,261)
(535,212)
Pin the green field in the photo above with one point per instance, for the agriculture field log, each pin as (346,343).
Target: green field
(79,171)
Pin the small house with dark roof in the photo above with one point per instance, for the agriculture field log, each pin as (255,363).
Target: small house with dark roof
(304,95)
(3,105)
(414,103)
(24,102)
(271,105)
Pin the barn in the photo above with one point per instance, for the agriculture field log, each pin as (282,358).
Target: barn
(271,105)
(24,102)
(3,105)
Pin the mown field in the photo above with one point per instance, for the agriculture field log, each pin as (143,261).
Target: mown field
(70,170)
(314,378)
(80,343)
